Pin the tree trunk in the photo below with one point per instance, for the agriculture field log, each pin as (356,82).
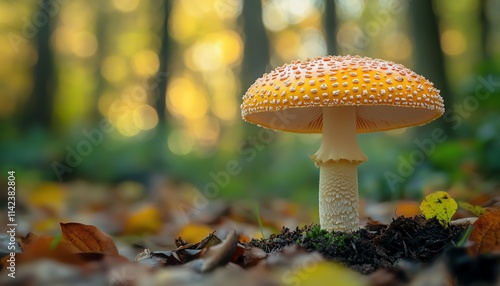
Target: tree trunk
(485,30)
(428,57)
(39,108)
(161,76)
(157,86)
(256,53)
(330,27)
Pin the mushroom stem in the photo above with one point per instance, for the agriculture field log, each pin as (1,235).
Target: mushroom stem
(338,158)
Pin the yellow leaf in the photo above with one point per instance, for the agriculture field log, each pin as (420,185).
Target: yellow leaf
(48,196)
(439,205)
(194,233)
(146,220)
(486,233)
(322,273)
(473,209)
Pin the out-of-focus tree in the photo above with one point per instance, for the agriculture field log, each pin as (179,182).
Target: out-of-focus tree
(38,112)
(256,47)
(330,27)
(485,27)
(428,56)
(161,76)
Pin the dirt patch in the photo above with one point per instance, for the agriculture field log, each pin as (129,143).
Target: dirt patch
(374,247)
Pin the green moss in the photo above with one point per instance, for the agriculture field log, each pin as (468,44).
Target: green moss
(320,239)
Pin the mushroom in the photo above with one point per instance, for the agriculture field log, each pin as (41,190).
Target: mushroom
(340,96)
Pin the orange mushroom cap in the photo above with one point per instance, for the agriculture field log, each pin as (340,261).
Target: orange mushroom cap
(386,95)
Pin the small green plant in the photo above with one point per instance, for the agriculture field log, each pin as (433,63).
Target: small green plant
(259,220)
(465,236)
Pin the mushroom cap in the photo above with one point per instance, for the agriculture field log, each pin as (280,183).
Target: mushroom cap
(386,95)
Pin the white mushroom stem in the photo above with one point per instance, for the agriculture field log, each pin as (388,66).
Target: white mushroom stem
(338,159)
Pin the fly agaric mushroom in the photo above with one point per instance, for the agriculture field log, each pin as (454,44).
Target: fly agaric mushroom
(340,96)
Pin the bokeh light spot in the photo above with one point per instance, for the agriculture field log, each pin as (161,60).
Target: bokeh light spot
(125,5)
(84,44)
(126,125)
(274,19)
(397,46)
(146,62)
(186,100)
(180,142)
(114,68)
(145,117)
(453,42)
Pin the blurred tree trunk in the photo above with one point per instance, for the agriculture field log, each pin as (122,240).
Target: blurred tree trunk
(256,53)
(330,27)
(485,30)
(100,32)
(428,56)
(161,76)
(157,86)
(39,108)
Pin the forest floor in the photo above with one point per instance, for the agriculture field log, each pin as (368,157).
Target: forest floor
(85,234)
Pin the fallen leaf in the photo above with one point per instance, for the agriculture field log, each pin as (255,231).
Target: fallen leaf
(310,269)
(473,209)
(146,220)
(252,255)
(88,239)
(36,247)
(486,232)
(439,205)
(407,208)
(220,254)
(374,225)
(244,238)
(210,240)
(158,258)
(48,196)
(193,233)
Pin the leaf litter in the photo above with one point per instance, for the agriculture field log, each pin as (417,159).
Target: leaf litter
(227,248)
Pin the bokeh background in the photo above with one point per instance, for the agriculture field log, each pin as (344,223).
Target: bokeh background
(149,91)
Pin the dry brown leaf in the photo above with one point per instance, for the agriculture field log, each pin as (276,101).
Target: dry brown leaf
(486,232)
(88,239)
(210,240)
(251,256)
(37,247)
(220,254)
(158,258)
(374,225)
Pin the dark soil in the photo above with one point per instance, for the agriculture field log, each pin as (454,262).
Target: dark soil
(374,247)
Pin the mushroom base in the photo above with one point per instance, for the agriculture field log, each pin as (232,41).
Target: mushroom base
(338,196)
